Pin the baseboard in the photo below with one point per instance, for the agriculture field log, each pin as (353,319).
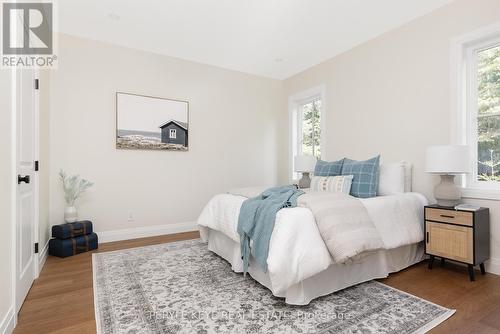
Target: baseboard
(8,322)
(42,257)
(493,266)
(146,231)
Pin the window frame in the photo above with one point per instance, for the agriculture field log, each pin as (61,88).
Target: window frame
(295,103)
(172,131)
(464,104)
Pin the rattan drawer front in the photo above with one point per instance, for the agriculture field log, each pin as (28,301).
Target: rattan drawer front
(449,241)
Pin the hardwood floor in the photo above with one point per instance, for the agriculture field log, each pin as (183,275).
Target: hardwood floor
(61,299)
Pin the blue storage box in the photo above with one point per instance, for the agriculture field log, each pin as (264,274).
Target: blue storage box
(73,246)
(71,230)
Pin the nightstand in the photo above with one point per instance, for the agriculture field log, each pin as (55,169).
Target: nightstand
(457,235)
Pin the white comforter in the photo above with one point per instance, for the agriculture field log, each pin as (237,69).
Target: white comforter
(297,251)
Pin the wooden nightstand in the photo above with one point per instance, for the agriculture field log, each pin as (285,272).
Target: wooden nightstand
(462,236)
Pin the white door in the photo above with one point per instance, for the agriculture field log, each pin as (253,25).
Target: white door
(26,151)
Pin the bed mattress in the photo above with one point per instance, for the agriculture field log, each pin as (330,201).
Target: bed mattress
(372,265)
(297,250)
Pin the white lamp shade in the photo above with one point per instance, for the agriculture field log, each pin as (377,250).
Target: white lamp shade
(447,159)
(304,163)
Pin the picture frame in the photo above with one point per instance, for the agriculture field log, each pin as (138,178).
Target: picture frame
(151,123)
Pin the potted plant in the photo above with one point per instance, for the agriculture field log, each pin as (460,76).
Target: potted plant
(73,186)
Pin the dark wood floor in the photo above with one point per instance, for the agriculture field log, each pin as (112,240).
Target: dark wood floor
(61,300)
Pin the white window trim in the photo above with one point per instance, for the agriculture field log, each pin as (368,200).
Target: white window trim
(294,103)
(463,129)
(172,131)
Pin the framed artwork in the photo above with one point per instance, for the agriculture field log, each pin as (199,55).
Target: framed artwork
(151,123)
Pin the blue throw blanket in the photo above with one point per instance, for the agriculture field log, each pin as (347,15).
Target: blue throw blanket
(256,221)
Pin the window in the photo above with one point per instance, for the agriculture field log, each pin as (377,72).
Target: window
(173,134)
(477,89)
(307,120)
(487,89)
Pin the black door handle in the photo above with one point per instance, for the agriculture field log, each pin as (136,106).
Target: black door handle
(25,179)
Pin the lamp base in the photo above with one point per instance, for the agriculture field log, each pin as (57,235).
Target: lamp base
(447,193)
(305,181)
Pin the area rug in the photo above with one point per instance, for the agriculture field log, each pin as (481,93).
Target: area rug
(182,287)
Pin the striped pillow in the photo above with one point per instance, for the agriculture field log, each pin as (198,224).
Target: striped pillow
(341,183)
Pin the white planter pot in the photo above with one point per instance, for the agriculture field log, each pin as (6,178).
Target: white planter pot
(70,214)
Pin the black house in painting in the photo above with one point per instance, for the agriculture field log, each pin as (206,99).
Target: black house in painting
(174,132)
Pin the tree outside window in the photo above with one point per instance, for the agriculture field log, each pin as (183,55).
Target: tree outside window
(488,120)
(311,129)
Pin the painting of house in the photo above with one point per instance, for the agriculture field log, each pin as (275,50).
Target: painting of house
(151,123)
(174,132)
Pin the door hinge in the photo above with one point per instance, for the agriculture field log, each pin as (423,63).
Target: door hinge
(37,166)
(37,84)
(36,247)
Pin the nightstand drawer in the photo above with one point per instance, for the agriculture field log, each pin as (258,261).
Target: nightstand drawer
(449,216)
(450,241)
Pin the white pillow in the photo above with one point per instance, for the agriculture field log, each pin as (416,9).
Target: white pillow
(339,183)
(392,178)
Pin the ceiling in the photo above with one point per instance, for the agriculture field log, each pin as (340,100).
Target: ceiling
(272,38)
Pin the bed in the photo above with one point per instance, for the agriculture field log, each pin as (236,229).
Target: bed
(300,267)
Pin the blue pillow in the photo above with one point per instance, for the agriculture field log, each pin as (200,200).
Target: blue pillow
(328,168)
(365,181)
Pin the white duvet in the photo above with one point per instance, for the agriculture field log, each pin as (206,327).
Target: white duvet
(296,249)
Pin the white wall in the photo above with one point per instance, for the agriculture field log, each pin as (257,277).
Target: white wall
(235,127)
(392,95)
(6,201)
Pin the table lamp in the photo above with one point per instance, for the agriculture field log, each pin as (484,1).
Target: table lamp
(447,161)
(304,164)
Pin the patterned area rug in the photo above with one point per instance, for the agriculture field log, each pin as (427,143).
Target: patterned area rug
(184,288)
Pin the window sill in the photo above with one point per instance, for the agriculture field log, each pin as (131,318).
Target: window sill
(475,193)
